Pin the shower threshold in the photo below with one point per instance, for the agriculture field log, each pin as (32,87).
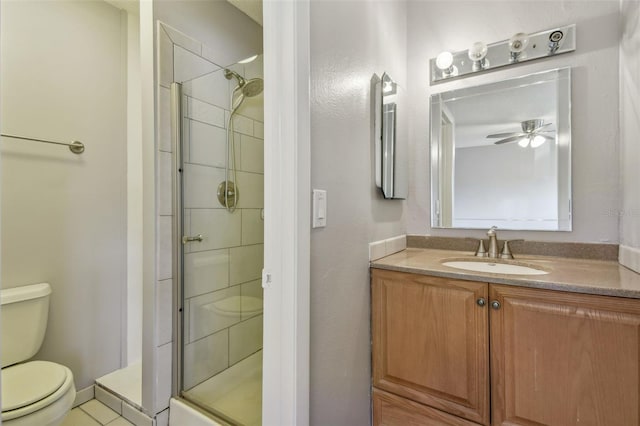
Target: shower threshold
(126,383)
(236,393)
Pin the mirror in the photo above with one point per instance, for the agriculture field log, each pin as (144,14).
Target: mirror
(391,142)
(501,154)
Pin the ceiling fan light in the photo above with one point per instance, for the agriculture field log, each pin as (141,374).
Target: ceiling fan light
(537,141)
(524,142)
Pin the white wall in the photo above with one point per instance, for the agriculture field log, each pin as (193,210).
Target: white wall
(630,123)
(532,189)
(64,216)
(435,26)
(349,42)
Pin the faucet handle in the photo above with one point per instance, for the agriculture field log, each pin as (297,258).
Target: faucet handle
(481,251)
(492,231)
(506,251)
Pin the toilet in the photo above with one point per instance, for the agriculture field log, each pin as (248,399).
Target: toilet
(34,393)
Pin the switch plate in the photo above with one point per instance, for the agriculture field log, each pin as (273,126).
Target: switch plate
(319,208)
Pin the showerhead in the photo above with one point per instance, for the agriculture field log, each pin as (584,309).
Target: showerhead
(250,88)
(253,87)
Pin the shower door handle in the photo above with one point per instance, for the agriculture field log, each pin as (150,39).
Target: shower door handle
(186,240)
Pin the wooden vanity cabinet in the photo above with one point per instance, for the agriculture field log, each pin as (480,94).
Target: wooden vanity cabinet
(556,358)
(431,342)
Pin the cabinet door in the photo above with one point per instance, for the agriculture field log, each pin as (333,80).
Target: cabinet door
(564,358)
(430,342)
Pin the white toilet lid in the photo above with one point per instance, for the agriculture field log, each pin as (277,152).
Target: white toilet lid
(25,384)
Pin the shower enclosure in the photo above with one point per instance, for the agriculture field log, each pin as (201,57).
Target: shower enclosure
(217,123)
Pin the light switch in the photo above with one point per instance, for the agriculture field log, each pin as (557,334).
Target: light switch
(319,208)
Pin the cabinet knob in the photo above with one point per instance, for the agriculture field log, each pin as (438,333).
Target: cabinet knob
(481,302)
(495,304)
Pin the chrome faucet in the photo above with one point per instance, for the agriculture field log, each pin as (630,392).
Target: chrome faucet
(493,243)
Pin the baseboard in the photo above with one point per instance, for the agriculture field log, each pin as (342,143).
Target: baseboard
(629,257)
(84,395)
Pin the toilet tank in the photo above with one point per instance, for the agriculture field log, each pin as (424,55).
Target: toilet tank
(23,318)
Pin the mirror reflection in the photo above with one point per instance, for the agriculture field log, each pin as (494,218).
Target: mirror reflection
(500,154)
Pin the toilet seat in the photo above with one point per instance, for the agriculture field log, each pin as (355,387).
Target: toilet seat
(32,386)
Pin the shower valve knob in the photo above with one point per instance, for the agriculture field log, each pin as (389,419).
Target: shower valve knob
(186,240)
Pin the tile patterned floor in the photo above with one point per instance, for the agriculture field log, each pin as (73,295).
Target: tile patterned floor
(94,413)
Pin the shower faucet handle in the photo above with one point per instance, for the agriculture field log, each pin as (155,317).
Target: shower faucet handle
(186,239)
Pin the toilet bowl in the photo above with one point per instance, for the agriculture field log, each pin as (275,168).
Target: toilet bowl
(34,393)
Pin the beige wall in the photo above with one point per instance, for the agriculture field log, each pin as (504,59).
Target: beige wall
(64,216)
(435,26)
(350,41)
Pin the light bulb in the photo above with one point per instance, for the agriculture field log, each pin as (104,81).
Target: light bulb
(524,142)
(478,51)
(518,42)
(537,141)
(444,60)
(554,40)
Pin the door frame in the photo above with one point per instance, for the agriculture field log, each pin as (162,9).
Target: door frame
(287,186)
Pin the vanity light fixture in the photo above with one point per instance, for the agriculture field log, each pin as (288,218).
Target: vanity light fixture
(478,54)
(444,62)
(521,47)
(517,44)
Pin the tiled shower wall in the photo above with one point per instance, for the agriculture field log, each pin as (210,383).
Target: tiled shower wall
(222,288)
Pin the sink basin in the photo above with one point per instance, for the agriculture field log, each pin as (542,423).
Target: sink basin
(494,267)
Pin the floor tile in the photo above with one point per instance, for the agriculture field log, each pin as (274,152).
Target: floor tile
(77,417)
(99,411)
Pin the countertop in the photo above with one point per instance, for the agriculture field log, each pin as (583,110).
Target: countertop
(603,277)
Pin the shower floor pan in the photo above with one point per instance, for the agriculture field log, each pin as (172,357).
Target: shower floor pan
(235,393)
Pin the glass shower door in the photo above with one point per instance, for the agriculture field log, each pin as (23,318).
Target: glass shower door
(222,249)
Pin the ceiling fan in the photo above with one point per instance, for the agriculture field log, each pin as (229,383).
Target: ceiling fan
(532,134)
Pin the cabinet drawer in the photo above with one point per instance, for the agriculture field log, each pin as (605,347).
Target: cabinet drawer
(392,410)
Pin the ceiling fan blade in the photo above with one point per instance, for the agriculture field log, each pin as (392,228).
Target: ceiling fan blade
(510,139)
(549,138)
(506,135)
(540,127)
